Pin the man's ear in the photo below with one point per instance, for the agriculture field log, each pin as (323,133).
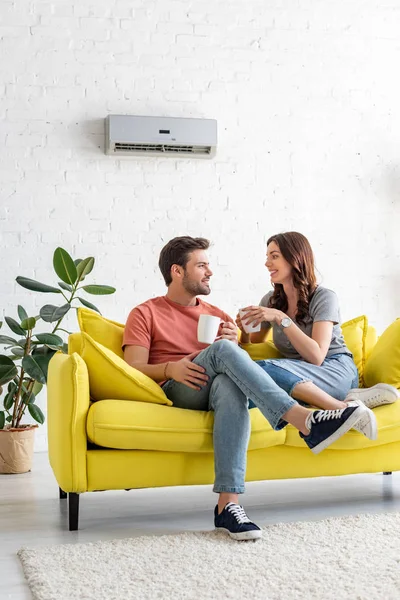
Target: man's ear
(176,271)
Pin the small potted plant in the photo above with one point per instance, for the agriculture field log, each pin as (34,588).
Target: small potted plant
(24,363)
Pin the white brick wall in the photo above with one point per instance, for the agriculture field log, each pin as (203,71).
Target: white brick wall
(307,100)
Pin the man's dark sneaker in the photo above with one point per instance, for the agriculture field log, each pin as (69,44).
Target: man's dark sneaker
(327,426)
(234,520)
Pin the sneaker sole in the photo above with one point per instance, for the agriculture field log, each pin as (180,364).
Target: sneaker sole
(243,535)
(378,386)
(347,425)
(367,422)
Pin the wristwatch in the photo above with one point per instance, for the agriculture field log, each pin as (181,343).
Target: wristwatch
(286,322)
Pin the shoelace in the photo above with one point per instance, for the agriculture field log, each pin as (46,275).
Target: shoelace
(326,415)
(238,512)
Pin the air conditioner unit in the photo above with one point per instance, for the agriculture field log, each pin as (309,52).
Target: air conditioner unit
(160,136)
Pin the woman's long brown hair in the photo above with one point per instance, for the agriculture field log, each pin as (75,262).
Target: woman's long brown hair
(296,250)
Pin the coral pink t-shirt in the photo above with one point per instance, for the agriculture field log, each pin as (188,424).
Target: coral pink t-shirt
(167,329)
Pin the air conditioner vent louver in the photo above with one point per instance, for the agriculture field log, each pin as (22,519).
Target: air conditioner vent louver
(160,136)
(148,148)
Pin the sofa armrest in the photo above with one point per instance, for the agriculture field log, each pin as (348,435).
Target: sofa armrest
(68,403)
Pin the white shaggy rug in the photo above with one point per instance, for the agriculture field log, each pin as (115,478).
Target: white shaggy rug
(357,558)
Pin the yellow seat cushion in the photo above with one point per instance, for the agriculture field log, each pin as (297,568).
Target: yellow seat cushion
(383,364)
(137,426)
(111,377)
(388,422)
(107,333)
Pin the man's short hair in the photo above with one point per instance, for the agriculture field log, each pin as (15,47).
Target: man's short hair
(177,252)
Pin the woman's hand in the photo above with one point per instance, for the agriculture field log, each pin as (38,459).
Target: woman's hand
(257,314)
(228,331)
(187,372)
(239,323)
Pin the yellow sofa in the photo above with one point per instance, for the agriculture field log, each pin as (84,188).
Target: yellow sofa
(130,437)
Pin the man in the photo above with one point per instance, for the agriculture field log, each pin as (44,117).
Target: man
(160,340)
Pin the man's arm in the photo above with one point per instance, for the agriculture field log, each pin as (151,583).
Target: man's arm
(185,371)
(138,357)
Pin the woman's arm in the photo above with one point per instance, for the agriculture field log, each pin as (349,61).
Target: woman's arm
(312,349)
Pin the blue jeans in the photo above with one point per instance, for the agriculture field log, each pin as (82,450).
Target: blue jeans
(336,376)
(233,379)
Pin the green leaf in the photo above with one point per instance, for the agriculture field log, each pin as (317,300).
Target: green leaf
(65,286)
(36,413)
(85,267)
(12,386)
(14,326)
(49,338)
(8,401)
(28,398)
(33,368)
(43,356)
(99,290)
(88,304)
(9,418)
(22,312)
(50,313)
(4,339)
(64,266)
(37,388)
(77,261)
(8,370)
(28,323)
(36,286)
(2,419)
(19,352)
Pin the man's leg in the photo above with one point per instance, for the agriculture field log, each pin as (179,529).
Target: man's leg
(319,429)
(230,439)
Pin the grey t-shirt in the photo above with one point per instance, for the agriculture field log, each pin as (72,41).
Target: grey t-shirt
(324,306)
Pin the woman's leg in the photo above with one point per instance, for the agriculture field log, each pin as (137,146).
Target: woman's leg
(311,394)
(325,386)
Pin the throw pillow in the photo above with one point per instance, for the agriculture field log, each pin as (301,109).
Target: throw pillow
(107,333)
(110,377)
(383,365)
(355,336)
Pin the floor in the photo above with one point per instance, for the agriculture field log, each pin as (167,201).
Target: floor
(31,513)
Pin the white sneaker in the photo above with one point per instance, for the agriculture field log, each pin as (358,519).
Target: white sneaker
(381,393)
(367,422)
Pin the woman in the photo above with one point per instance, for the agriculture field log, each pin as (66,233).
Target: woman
(317,367)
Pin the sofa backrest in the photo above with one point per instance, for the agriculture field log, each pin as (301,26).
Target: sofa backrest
(360,338)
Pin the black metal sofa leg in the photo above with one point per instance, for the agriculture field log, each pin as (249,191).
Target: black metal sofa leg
(63,494)
(387,472)
(73,510)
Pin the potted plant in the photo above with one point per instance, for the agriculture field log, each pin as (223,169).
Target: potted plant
(24,363)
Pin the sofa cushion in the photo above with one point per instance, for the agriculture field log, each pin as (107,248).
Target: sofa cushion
(111,377)
(102,330)
(388,422)
(383,365)
(355,336)
(138,426)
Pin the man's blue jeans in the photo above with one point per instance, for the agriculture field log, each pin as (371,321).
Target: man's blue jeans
(233,379)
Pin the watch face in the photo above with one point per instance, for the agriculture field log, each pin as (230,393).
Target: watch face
(286,322)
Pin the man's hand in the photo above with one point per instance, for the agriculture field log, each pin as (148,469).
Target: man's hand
(228,331)
(187,372)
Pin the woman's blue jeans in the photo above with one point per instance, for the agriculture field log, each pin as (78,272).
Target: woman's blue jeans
(233,379)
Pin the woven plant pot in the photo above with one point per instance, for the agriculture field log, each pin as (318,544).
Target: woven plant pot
(16,449)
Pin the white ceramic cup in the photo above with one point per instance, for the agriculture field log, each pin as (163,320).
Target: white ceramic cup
(207,328)
(248,328)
